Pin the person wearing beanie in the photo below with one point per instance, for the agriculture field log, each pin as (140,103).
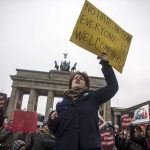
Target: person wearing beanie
(18,145)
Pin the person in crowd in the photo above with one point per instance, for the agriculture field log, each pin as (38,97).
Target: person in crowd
(2,100)
(136,136)
(123,140)
(147,138)
(29,140)
(75,121)
(117,135)
(18,145)
(7,136)
(132,141)
(44,139)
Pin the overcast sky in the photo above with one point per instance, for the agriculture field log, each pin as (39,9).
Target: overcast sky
(35,33)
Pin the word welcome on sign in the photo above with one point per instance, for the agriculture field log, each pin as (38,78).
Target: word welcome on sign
(97,33)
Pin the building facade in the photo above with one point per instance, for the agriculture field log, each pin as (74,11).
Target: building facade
(117,112)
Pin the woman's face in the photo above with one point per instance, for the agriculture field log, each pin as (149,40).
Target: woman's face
(78,82)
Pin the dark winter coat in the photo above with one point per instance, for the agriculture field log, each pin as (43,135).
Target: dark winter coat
(77,125)
(7,137)
(44,141)
(29,140)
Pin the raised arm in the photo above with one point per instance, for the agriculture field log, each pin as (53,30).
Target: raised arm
(106,93)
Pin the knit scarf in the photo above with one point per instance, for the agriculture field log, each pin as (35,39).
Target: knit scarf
(75,93)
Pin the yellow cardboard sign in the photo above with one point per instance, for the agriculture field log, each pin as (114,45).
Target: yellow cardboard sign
(97,33)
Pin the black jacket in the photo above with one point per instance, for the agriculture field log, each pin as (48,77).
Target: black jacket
(44,141)
(77,125)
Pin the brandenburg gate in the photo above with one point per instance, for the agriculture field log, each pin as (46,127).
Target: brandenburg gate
(50,84)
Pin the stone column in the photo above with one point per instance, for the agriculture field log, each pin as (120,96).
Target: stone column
(32,100)
(49,104)
(115,119)
(108,111)
(19,99)
(12,103)
(104,110)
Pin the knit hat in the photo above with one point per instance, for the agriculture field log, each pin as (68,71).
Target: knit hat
(17,145)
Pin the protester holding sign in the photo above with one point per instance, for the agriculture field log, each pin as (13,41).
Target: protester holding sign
(75,121)
(107,134)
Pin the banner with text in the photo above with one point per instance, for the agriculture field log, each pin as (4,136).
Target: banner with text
(97,33)
(107,134)
(141,115)
(126,120)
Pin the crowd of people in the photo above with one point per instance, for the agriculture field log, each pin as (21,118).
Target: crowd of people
(40,140)
(133,138)
(74,125)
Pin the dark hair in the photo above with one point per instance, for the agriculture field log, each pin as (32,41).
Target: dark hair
(84,75)
(132,131)
(147,127)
